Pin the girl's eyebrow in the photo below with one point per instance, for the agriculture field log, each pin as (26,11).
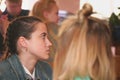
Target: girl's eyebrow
(43,34)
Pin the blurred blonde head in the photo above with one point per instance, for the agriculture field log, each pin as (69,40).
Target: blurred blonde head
(47,10)
(84,48)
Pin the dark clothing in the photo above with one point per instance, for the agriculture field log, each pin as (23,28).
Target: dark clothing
(10,17)
(1,44)
(12,69)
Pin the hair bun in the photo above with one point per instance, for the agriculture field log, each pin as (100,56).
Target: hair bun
(87,9)
(85,12)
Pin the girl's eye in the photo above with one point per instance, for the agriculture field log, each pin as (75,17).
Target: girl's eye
(44,35)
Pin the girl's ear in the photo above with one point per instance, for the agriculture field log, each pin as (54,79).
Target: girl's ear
(22,41)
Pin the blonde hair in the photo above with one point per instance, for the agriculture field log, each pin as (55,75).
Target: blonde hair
(40,6)
(84,48)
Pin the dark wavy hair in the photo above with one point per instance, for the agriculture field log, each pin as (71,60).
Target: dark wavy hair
(22,26)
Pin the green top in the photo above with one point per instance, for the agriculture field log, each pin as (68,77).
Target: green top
(85,78)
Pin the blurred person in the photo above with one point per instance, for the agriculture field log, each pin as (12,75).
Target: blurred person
(3,22)
(14,9)
(84,49)
(0,12)
(26,47)
(46,10)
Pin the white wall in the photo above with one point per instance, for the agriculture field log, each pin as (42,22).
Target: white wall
(103,7)
(27,4)
(2,5)
(71,6)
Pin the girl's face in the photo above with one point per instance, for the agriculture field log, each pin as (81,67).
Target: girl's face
(39,45)
(52,16)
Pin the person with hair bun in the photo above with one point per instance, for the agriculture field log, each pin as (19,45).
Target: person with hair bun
(84,49)
(26,47)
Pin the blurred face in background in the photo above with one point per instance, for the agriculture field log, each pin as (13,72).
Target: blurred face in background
(52,15)
(13,8)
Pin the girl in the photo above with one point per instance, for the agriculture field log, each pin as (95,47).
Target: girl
(84,51)
(46,10)
(27,45)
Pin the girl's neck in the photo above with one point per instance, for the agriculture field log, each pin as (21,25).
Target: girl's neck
(28,62)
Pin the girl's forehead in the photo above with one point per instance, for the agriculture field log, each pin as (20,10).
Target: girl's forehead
(41,27)
(40,24)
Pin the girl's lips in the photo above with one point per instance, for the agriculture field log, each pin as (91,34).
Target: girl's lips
(48,51)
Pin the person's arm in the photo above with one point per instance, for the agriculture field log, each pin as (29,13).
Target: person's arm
(0,12)
(3,24)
